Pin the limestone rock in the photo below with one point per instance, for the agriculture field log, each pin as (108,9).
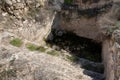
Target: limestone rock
(25,65)
(89,19)
(28,19)
(56,4)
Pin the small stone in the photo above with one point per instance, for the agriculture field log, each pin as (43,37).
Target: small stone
(4,14)
(19,6)
(8,2)
(13,1)
(60,33)
(18,0)
(25,21)
(11,7)
(37,5)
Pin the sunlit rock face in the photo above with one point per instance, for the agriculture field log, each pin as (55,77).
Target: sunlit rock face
(20,64)
(89,18)
(28,19)
(31,20)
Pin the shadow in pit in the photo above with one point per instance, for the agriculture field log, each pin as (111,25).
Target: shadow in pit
(86,52)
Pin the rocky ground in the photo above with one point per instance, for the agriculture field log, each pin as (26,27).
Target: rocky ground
(25,55)
(20,62)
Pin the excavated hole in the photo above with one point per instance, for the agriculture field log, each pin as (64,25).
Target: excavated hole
(78,46)
(86,50)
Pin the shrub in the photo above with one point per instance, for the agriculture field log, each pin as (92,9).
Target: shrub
(41,49)
(53,52)
(68,1)
(110,30)
(72,58)
(7,73)
(32,47)
(16,42)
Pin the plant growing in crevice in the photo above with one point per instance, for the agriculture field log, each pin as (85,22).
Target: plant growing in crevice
(31,47)
(72,58)
(68,1)
(53,53)
(41,49)
(7,73)
(110,30)
(16,42)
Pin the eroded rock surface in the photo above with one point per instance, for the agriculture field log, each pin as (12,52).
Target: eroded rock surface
(31,21)
(97,20)
(89,19)
(28,19)
(21,64)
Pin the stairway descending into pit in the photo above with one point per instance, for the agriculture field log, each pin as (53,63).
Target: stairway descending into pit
(92,69)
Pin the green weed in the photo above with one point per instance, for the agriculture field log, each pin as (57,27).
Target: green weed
(16,42)
(53,52)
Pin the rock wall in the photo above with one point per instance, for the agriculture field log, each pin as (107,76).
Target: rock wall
(28,19)
(97,21)
(32,20)
(111,56)
(21,64)
(89,19)
(107,55)
(116,53)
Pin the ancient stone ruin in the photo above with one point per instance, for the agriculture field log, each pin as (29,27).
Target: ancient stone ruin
(88,29)
(97,20)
